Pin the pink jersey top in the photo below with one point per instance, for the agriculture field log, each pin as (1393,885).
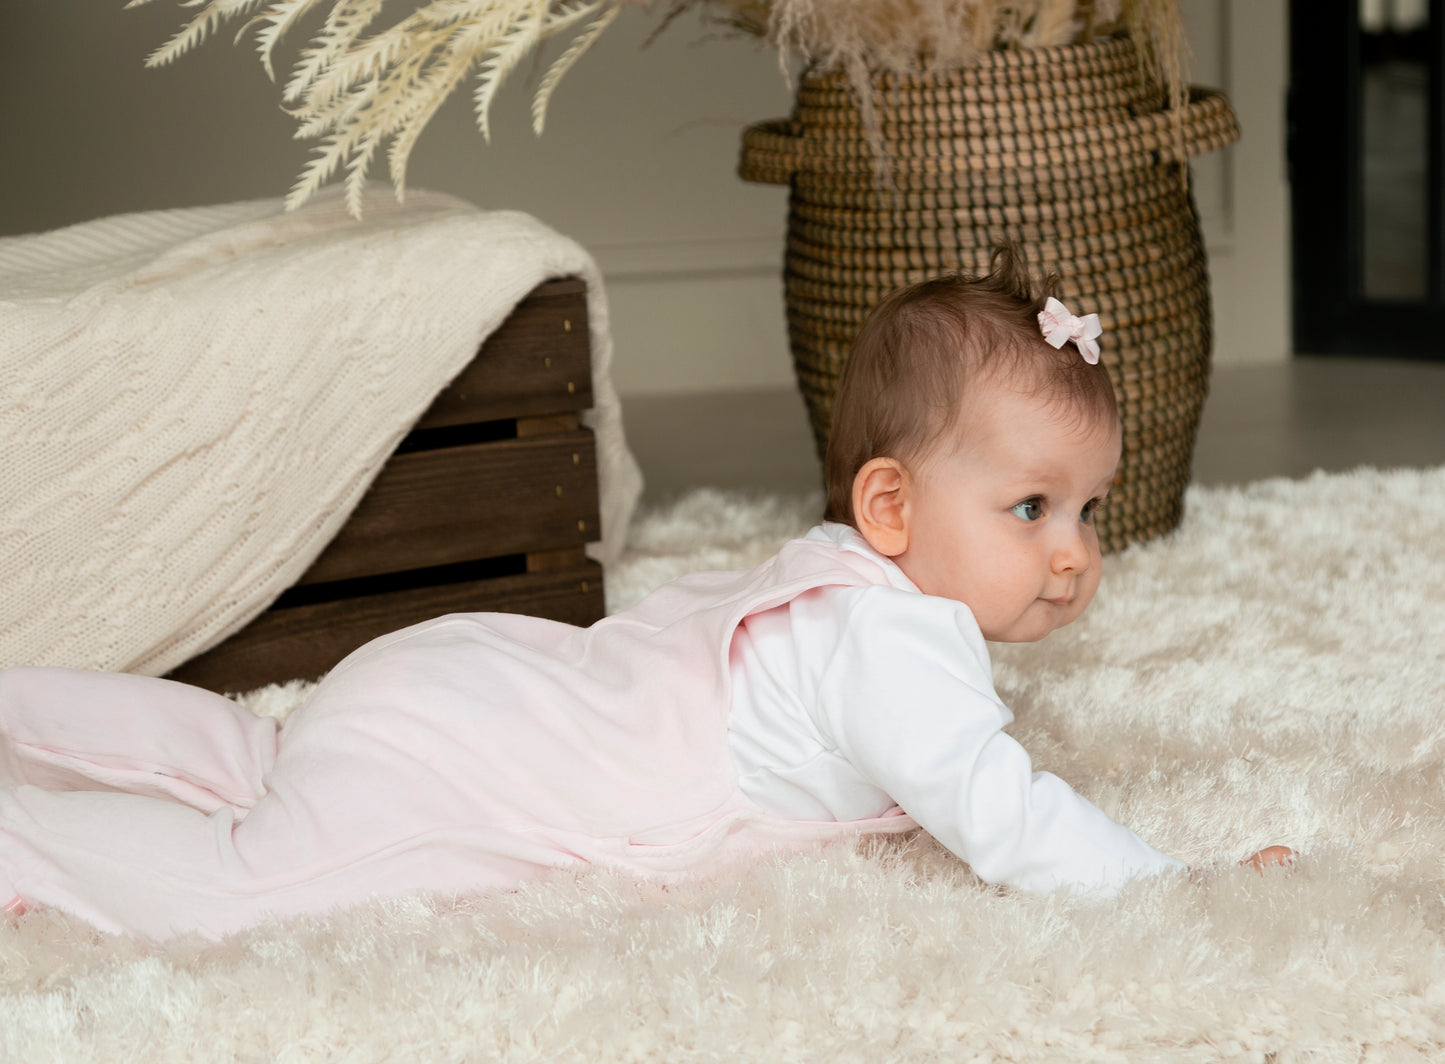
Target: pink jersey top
(562,745)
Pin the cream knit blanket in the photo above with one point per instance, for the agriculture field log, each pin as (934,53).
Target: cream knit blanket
(193,401)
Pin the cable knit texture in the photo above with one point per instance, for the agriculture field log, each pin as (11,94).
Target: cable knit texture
(195,400)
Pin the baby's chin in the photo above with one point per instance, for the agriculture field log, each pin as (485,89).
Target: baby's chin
(1013,638)
(1017,635)
(1029,631)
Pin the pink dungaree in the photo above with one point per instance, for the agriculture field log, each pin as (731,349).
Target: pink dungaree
(472,751)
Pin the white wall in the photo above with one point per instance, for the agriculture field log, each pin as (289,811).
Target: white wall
(637,163)
(1241,46)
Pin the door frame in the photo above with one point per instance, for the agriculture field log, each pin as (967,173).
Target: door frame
(1324,151)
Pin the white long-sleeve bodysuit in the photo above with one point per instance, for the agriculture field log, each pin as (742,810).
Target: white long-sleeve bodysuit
(850,700)
(480,750)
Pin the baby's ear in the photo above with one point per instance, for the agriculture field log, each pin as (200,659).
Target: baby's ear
(879,498)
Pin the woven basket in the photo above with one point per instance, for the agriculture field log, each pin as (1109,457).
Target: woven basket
(1068,151)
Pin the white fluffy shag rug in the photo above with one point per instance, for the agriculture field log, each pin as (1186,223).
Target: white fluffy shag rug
(1273,672)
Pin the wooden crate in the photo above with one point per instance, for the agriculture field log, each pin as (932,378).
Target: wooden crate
(485,506)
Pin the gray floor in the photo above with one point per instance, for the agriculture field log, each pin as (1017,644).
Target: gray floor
(1287,420)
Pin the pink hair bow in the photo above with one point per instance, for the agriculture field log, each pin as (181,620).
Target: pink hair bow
(1059,327)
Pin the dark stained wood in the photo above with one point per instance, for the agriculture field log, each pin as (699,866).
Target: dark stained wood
(566,558)
(546,424)
(302,642)
(538,361)
(459,504)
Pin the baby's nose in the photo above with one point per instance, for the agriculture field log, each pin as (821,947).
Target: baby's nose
(1071,554)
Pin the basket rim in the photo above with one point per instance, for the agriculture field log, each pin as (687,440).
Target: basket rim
(774,151)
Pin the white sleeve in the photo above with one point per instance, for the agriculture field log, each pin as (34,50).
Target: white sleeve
(908,699)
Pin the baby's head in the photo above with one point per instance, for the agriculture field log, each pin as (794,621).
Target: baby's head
(973,452)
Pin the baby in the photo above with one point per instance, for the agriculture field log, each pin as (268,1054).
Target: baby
(841,687)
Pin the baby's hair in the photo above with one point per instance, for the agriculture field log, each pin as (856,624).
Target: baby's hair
(921,350)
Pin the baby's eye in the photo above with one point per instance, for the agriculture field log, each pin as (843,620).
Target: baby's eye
(1030,509)
(1091,508)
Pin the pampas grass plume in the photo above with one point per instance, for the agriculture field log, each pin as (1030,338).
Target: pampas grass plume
(357,87)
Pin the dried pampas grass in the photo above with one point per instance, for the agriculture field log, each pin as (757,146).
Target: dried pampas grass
(357,87)
(908,35)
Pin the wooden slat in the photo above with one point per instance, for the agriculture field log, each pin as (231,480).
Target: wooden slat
(536,362)
(302,642)
(458,504)
(566,558)
(548,424)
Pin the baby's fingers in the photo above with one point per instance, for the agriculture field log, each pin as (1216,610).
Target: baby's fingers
(1270,855)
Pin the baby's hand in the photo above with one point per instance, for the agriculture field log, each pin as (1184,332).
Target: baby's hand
(1270,855)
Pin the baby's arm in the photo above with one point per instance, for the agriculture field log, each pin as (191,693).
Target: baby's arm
(909,701)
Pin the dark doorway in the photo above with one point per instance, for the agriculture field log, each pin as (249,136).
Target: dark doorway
(1366,115)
